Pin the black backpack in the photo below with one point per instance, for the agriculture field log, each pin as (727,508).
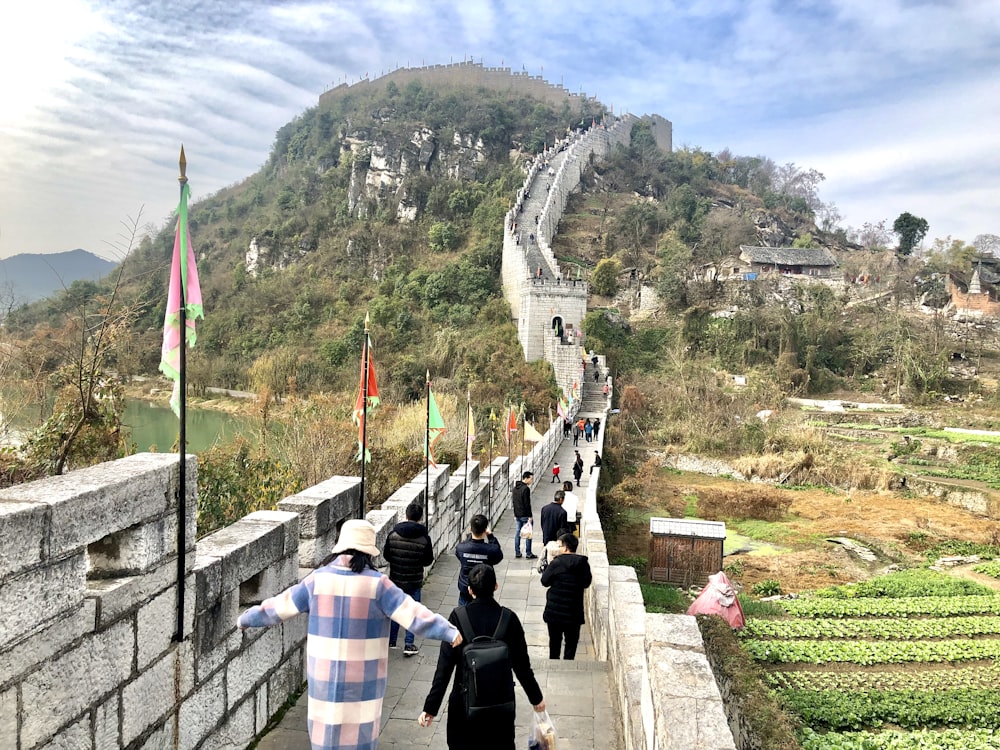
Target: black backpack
(487,682)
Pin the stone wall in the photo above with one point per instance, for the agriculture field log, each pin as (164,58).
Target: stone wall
(664,687)
(467,74)
(535,303)
(88,592)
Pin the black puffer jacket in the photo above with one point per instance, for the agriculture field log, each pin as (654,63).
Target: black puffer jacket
(408,550)
(566,576)
(520,499)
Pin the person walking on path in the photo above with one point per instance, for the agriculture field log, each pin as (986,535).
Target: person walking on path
(481,548)
(350,604)
(576,434)
(566,576)
(484,613)
(577,467)
(571,504)
(597,462)
(408,550)
(597,427)
(588,430)
(555,473)
(521,504)
(553,518)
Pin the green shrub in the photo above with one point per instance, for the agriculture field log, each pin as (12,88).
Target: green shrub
(906,584)
(770,726)
(662,597)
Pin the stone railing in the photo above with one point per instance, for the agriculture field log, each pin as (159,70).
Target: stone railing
(88,592)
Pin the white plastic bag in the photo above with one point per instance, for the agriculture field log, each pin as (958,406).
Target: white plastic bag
(542,735)
(526,530)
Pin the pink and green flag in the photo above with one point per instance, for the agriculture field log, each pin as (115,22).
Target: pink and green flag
(435,426)
(183,277)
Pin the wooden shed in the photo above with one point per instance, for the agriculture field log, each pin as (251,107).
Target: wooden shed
(685,551)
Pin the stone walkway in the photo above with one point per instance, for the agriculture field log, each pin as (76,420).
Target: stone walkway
(577,693)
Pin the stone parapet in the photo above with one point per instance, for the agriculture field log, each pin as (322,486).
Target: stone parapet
(87,650)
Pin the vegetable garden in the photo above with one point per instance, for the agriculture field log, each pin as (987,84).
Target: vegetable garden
(906,661)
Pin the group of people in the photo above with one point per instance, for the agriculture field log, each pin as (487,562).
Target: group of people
(587,427)
(355,613)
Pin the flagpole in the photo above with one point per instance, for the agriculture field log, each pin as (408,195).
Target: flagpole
(427,456)
(468,458)
(489,507)
(366,354)
(523,430)
(182,439)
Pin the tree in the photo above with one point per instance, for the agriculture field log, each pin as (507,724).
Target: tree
(604,280)
(987,244)
(871,237)
(911,230)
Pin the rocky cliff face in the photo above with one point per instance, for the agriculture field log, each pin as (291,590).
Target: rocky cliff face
(383,160)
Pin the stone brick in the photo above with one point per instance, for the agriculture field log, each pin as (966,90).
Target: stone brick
(207,664)
(293,633)
(313,551)
(117,597)
(66,686)
(321,506)
(156,624)
(674,631)
(161,738)
(106,725)
(287,520)
(75,736)
(28,653)
(216,623)
(248,667)
(88,504)
(200,713)
(148,698)
(237,731)
(208,581)
(245,549)
(39,595)
(285,682)
(24,530)
(8,712)
(134,550)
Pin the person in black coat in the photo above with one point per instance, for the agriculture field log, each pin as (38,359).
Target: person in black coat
(408,550)
(481,547)
(577,467)
(553,518)
(520,499)
(566,576)
(484,613)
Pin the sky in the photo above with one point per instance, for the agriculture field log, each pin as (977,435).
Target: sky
(895,102)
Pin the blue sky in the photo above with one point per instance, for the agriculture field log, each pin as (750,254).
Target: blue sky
(896,102)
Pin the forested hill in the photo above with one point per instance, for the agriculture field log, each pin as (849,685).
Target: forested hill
(390,200)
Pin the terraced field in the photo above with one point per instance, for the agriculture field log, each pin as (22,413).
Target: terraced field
(914,667)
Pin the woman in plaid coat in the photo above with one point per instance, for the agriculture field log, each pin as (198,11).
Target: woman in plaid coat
(350,607)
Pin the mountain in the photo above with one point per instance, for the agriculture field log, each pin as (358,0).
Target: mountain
(31,276)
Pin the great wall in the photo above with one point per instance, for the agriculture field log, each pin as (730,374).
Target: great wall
(88,565)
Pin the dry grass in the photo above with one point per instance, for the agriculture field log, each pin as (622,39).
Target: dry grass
(744,502)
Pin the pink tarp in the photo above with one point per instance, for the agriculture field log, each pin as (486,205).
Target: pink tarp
(719,598)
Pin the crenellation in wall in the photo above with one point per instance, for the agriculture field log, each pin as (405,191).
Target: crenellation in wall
(322,508)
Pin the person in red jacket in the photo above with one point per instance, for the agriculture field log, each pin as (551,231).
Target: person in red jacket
(555,473)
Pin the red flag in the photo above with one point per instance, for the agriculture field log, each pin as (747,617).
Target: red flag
(511,422)
(368,386)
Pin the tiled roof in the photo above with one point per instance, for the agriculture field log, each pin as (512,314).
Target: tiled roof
(688,527)
(787,256)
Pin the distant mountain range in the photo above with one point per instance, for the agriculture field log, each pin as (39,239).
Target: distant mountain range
(32,276)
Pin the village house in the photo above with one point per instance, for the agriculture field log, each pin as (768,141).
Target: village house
(754,261)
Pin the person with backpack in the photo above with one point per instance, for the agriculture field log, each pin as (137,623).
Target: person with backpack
(408,550)
(481,708)
(578,467)
(350,606)
(566,576)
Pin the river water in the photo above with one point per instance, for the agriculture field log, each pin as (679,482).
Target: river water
(156,426)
